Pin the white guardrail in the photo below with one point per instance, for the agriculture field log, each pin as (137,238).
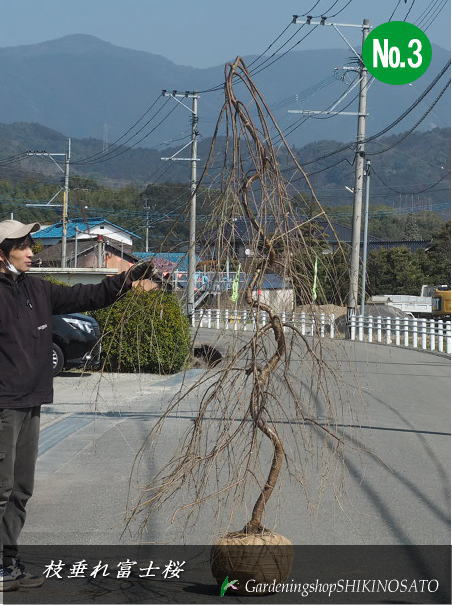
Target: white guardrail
(229,319)
(426,334)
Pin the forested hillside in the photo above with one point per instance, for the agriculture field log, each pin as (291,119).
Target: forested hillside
(412,173)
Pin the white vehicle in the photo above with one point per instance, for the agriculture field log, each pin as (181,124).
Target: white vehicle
(417,305)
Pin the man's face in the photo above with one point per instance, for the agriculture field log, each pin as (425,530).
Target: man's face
(21,257)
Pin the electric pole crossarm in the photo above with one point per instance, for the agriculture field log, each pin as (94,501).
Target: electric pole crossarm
(55,162)
(180,159)
(179,95)
(346,93)
(173,157)
(330,110)
(45,153)
(49,203)
(324,23)
(315,112)
(346,41)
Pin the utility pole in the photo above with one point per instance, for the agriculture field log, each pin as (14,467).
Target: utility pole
(105,137)
(76,246)
(352,302)
(147,208)
(359,181)
(67,160)
(366,225)
(193,187)
(64,189)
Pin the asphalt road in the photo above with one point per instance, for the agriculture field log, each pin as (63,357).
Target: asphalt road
(391,405)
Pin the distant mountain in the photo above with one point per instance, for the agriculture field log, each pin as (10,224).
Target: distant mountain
(82,86)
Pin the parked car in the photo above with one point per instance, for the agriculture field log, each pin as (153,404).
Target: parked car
(75,342)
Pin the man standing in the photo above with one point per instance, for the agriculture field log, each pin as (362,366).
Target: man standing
(27,304)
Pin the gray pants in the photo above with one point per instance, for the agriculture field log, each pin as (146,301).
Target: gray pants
(19,435)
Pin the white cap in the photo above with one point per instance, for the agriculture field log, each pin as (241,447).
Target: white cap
(11,229)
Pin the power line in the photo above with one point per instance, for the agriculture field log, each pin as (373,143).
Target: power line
(261,67)
(433,19)
(353,99)
(409,10)
(426,15)
(295,125)
(327,168)
(311,9)
(390,126)
(413,105)
(167,143)
(12,159)
(333,214)
(395,9)
(425,12)
(305,93)
(413,128)
(220,86)
(409,192)
(107,157)
(271,44)
(116,141)
(278,50)
(110,152)
(327,10)
(340,11)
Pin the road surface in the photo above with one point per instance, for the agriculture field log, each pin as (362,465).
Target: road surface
(392,406)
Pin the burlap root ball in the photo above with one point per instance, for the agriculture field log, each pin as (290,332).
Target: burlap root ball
(263,557)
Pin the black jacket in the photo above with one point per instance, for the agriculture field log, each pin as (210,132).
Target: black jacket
(26,308)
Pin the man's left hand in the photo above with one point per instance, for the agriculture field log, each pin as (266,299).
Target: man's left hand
(146,285)
(142,270)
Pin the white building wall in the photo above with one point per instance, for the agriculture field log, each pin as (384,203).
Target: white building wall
(279,300)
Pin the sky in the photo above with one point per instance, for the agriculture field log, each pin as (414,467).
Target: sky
(204,33)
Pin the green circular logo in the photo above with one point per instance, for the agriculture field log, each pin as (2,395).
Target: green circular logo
(397,52)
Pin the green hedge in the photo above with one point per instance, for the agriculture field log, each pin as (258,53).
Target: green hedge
(144,332)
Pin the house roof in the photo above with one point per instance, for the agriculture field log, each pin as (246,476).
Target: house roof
(81,224)
(245,232)
(271,281)
(178,259)
(410,244)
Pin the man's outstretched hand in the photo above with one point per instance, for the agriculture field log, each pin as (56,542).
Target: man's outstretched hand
(145,270)
(151,278)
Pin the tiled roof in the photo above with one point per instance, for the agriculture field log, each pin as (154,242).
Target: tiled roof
(410,244)
(180,259)
(82,225)
(271,281)
(245,232)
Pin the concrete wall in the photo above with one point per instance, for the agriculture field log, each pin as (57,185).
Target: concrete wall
(74,276)
(111,261)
